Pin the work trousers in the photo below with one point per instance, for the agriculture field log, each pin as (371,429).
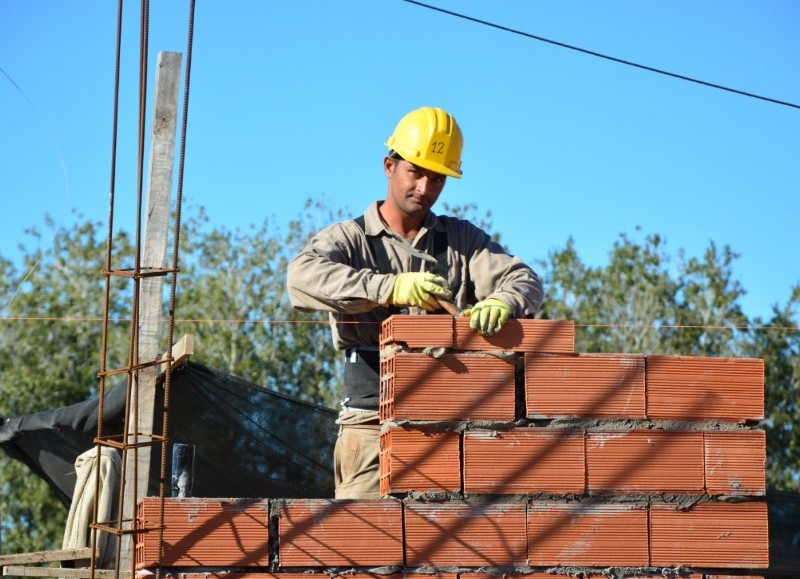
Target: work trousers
(356,461)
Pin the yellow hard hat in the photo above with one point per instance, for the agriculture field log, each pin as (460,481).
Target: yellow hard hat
(429,137)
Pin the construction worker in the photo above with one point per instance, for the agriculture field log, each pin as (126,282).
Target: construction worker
(399,257)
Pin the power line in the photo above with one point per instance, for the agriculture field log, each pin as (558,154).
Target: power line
(604,56)
(64,172)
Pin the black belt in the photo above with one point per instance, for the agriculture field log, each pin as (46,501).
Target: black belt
(362,377)
(361,350)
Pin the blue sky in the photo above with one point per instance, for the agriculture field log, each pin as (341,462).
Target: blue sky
(293,100)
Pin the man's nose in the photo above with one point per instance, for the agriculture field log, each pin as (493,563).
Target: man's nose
(423,184)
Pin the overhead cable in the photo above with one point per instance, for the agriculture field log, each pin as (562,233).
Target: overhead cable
(60,156)
(604,56)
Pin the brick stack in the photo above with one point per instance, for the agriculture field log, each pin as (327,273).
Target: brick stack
(514,455)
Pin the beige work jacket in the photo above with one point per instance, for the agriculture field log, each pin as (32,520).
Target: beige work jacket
(336,273)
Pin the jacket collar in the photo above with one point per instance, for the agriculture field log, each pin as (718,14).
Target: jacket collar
(374,226)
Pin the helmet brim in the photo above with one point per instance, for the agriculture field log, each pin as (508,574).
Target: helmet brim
(426,164)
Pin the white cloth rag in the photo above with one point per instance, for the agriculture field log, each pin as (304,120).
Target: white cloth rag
(77,533)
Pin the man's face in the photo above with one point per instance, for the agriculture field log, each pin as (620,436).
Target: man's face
(412,189)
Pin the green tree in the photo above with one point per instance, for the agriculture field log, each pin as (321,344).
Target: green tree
(49,357)
(637,303)
(615,305)
(707,310)
(232,291)
(778,343)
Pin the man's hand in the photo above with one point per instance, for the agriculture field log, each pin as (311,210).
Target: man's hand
(488,316)
(420,290)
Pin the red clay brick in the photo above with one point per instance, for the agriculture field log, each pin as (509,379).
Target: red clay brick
(204,532)
(587,534)
(453,387)
(404,575)
(584,574)
(330,533)
(321,575)
(535,575)
(418,331)
(699,388)
(416,460)
(585,385)
(457,533)
(526,335)
(676,573)
(226,575)
(736,462)
(524,461)
(645,461)
(717,535)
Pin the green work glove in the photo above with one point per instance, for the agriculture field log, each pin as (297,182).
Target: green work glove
(420,290)
(488,316)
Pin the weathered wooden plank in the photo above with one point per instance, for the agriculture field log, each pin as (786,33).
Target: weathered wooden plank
(182,350)
(23,571)
(162,161)
(46,556)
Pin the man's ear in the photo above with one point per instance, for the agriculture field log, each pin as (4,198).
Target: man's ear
(389,165)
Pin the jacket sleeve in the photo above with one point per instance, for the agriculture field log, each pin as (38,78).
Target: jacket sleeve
(332,274)
(521,288)
(496,274)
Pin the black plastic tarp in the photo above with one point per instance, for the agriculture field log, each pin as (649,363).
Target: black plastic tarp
(249,442)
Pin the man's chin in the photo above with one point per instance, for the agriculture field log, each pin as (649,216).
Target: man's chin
(416,206)
(418,211)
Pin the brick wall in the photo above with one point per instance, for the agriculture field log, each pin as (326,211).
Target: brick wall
(515,455)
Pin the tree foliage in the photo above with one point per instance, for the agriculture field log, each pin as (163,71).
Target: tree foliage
(231,297)
(642,302)
(779,345)
(49,357)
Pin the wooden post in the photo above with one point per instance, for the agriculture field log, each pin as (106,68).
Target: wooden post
(162,161)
